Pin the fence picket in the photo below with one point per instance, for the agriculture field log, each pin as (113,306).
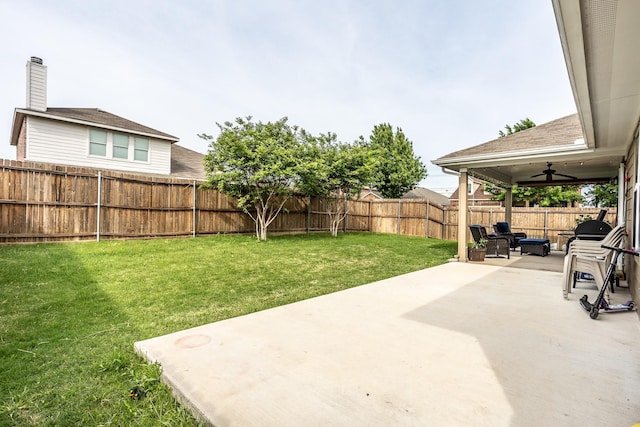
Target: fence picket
(42,202)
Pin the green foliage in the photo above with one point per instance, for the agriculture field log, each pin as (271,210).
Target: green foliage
(602,195)
(71,312)
(258,164)
(399,169)
(521,125)
(482,243)
(336,171)
(551,196)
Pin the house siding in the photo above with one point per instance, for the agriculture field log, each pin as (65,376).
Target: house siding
(51,141)
(632,264)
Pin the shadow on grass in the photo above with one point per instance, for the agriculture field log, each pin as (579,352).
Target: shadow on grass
(66,346)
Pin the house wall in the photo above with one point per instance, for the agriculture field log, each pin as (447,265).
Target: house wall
(21,147)
(631,263)
(52,141)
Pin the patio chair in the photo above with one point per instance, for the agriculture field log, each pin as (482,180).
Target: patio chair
(496,245)
(588,256)
(502,229)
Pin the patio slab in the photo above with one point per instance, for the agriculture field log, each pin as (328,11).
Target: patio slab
(457,345)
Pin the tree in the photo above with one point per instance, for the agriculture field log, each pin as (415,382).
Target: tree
(602,195)
(336,171)
(521,125)
(552,196)
(399,169)
(256,163)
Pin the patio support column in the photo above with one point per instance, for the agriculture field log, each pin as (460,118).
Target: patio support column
(621,201)
(508,204)
(463,207)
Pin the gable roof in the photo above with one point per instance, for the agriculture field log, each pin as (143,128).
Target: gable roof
(425,193)
(186,163)
(94,117)
(563,132)
(522,156)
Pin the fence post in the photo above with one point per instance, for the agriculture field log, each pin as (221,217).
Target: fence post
(546,223)
(195,191)
(426,231)
(346,216)
(399,214)
(370,203)
(99,205)
(308,214)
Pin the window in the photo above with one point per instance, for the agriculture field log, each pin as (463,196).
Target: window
(97,143)
(120,146)
(141,149)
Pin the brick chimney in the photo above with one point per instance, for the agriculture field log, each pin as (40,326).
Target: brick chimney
(36,85)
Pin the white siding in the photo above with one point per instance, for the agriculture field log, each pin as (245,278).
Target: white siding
(51,141)
(36,86)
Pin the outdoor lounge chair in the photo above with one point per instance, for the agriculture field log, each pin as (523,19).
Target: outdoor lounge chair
(496,245)
(588,256)
(502,229)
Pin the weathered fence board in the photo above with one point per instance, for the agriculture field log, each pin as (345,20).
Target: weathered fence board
(42,202)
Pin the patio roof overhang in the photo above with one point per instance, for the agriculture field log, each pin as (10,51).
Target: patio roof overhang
(520,158)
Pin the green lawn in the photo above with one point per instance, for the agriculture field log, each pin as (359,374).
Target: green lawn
(70,313)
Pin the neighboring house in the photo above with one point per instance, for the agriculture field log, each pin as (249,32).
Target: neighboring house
(186,163)
(425,193)
(368,194)
(476,195)
(87,137)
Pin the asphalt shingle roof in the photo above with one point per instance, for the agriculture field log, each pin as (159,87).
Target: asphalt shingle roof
(557,133)
(98,116)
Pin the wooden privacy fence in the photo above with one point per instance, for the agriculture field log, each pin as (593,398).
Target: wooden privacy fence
(43,202)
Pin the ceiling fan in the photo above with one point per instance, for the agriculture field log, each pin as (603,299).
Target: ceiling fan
(551,172)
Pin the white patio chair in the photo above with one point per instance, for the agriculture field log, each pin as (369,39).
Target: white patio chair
(588,256)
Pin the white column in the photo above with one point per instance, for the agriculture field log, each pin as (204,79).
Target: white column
(463,207)
(508,204)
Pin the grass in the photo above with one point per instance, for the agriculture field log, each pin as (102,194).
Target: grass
(70,313)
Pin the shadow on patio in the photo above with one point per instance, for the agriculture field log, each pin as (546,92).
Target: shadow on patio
(459,344)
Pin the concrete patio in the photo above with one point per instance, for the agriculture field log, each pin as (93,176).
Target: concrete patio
(455,345)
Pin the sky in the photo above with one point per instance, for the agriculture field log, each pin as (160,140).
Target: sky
(449,73)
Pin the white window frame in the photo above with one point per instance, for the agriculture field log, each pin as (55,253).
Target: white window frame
(104,145)
(137,146)
(124,149)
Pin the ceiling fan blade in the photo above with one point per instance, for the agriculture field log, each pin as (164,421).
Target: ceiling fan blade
(567,176)
(540,174)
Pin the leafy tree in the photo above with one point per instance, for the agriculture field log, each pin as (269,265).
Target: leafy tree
(521,125)
(337,172)
(602,195)
(399,169)
(256,163)
(552,196)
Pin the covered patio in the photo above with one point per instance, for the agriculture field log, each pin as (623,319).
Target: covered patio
(459,344)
